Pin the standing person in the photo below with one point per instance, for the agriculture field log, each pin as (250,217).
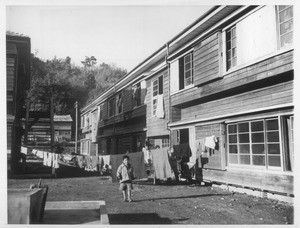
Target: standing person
(125,176)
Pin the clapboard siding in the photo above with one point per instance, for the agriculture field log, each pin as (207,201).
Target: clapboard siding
(10,78)
(206,60)
(263,181)
(215,159)
(261,98)
(272,67)
(155,126)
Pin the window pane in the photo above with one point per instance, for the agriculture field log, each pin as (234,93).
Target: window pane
(257,126)
(232,128)
(243,138)
(228,35)
(188,81)
(258,148)
(233,52)
(187,58)
(187,74)
(283,7)
(272,124)
(234,61)
(286,14)
(234,42)
(257,137)
(245,159)
(232,138)
(233,159)
(155,82)
(233,149)
(273,148)
(155,93)
(274,161)
(187,66)
(233,32)
(229,54)
(259,160)
(244,149)
(287,39)
(243,127)
(273,136)
(286,27)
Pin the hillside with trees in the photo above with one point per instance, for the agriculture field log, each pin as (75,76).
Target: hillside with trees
(68,83)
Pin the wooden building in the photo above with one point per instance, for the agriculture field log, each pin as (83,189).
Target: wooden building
(229,77)
(17,82)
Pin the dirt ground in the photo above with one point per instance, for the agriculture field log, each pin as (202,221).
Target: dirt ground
(167,204)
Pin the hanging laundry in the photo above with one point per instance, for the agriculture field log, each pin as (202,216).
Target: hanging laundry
(40,154)
(94,163)
(106,161)
(160,113)
(23,150)
(147,156)
(100,161)
(161,164)
(115,161)
(137,162)
(80,161)
(88,160)
(182,151)
(210,142)
(45,158)
(55,161)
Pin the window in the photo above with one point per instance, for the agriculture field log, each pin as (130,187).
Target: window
(157,89)
(84,147)
(255,143)
(165,142)
(111,107)
(101,112)
(119,104)
(285,25)
(186,75)
(231,47)
(139,94)
(260,33)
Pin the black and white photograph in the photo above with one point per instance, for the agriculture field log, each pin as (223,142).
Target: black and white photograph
(148,113)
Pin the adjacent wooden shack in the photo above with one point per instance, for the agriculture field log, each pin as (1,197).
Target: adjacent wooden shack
(17,82)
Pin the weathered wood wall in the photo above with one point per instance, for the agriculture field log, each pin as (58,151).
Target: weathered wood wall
(260,98)
(155,126)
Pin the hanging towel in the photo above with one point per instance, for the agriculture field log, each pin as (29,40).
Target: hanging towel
(55,161)
(161,164)
(147,156)
(106,161)
(100,160)
(45,157)
(160,113)
(40,154)
(210,142)
(23,150)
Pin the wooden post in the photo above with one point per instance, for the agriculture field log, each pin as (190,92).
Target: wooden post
(27,122)
(52,129)
(76,126)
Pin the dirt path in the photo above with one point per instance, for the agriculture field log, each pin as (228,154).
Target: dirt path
(167,204)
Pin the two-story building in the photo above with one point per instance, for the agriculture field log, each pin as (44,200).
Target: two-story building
(227,77)
(17,82)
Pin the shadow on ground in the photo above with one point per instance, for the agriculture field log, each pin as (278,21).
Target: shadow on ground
(139,218)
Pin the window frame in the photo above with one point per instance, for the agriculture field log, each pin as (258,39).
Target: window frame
(278,24)
(159,92)
(116,108)
(265,142)
(113,100)
(101,112)
(258,59)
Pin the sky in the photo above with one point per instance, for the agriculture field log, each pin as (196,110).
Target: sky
(124,35)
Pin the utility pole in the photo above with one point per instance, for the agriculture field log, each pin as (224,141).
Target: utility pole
(76,125)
